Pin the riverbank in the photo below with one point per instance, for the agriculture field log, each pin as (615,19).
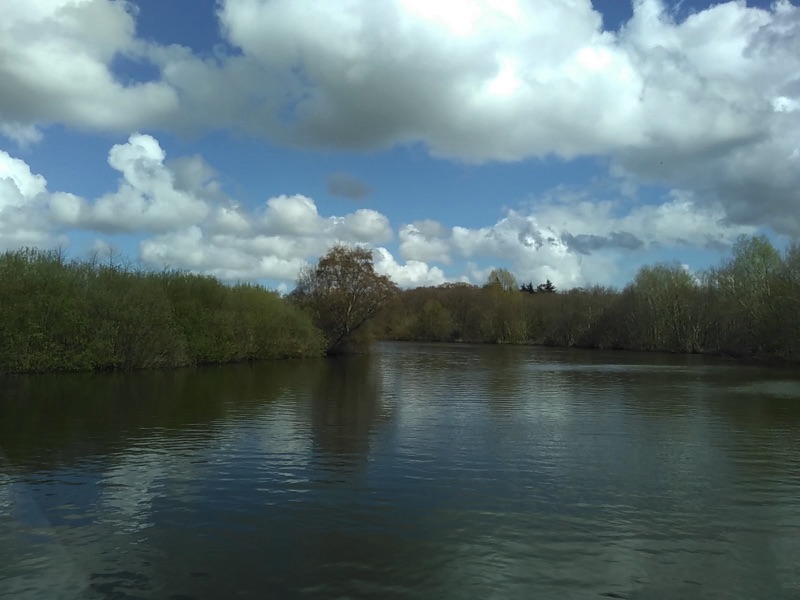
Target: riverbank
(59,315)
(757,360)
(70,315)
(747,307)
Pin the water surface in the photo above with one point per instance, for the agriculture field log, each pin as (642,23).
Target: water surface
(421,471)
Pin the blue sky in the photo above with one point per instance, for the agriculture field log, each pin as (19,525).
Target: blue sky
(574,141)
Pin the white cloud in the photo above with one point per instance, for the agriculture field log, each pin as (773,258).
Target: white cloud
(230,220)
(148,198)
(571,237)
(56,68)
(679,220)
(472,81)
(225,257)
(489,80)
(413,273)
(184,220)
(198,228)
(707,104)
(535,252)
(421,241)
(567,235)
(184,217)
(16,173)
(476,274)
(292,215)
(364,225)
(235,245)
(23,207)
(723,85)
(297,215)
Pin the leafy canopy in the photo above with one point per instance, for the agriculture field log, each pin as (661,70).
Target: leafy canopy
(342,292)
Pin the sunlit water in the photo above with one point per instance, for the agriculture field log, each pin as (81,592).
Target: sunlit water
(422,471)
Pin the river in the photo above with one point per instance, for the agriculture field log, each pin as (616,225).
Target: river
(419,471)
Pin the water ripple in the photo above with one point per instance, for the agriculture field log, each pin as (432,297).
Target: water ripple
(422,471)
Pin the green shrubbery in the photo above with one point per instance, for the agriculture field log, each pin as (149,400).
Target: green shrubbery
(60,315)
(749,306)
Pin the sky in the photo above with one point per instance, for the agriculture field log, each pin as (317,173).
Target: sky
(570,140)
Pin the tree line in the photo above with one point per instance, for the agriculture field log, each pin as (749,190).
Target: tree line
(748,306)
(70,315)
(58,314)
(76,315)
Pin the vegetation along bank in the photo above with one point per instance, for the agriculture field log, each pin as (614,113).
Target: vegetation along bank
(749,306)
(58,314)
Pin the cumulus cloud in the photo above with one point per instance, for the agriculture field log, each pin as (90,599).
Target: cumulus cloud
(24,201)
(295,215)
(413,273)
(184,220)
(535,251)
(226,257)
(182,216)
(678,219)
(198,228)
(271,244)
(56,68)
(422,241)
(571,237)
(455,78)
(365,225)
(508,80)
(729,128)
(148,198)
(708,104)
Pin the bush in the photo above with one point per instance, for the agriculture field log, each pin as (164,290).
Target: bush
(59,315)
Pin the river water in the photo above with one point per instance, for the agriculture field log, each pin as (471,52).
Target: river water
(420,471)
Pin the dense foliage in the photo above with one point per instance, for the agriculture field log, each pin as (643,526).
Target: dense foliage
(343,293)
(60,315)
(749,306)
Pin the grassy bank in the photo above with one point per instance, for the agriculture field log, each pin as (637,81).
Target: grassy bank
(66,315)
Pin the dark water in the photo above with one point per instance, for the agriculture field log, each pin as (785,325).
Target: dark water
(418,472)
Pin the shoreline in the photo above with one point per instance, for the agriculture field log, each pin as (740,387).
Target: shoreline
(754,360)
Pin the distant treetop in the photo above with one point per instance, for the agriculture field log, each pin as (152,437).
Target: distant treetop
(543,288)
